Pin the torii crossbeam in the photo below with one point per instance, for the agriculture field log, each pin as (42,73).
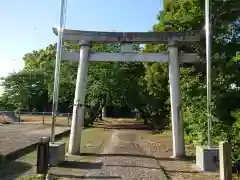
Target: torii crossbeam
(129,37)
(86,38)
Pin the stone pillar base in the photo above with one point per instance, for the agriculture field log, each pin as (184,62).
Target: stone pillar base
(207,159)
(56,153)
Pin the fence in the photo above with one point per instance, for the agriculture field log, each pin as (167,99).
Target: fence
(36,117)
(44,117)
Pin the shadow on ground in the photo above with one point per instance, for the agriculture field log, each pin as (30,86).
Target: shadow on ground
(125,125)
(72,170)
(151,168)
(129,126)
(187,158)
(80,165)
(132,166)
(85,177)
(13,170)
(180,171)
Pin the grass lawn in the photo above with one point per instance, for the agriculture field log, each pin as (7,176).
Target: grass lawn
(24,167)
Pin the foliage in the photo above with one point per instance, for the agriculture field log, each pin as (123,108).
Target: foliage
(189,15)
(108,83)
(24,89)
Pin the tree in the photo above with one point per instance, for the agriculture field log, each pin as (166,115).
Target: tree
(106,82)
(189,15)
(25,90)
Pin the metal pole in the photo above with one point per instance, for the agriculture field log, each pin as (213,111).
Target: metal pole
(68,118)
(57,69)
(19,116)
(43,117)
(208,59)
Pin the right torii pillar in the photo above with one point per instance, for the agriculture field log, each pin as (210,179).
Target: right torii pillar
(175,95)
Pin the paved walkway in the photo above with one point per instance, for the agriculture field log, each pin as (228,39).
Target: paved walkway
(17,136)
(124,158)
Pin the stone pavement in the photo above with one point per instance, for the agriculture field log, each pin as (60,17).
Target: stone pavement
(14,137)
(124,158)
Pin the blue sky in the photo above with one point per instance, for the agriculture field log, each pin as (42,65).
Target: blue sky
(26,26)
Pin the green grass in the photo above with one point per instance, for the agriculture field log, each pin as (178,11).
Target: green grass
(92,142)
(35,177)
(2,158)
(189,148)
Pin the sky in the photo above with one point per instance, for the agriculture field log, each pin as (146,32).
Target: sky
(27,25)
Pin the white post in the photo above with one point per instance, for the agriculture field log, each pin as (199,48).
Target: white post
(175,95)
(208,59)
(225,162)
(79,99)
(57,68)
(103,111)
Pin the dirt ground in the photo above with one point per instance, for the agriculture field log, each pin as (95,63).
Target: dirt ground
(161,147)
(124,158)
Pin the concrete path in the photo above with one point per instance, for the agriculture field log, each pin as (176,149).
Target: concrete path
(124,158)
(14,137)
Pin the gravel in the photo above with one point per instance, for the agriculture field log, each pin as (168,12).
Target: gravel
(124,158)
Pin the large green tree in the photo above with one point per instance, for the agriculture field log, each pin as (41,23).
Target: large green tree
(187,15)
(25,89)
(111,83)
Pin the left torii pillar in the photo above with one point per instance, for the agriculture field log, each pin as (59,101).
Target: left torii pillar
(79,99)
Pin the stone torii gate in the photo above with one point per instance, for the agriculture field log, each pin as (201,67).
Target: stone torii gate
(86,38)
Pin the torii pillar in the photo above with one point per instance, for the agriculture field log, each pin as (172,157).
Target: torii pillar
(175,96)
(79,99)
